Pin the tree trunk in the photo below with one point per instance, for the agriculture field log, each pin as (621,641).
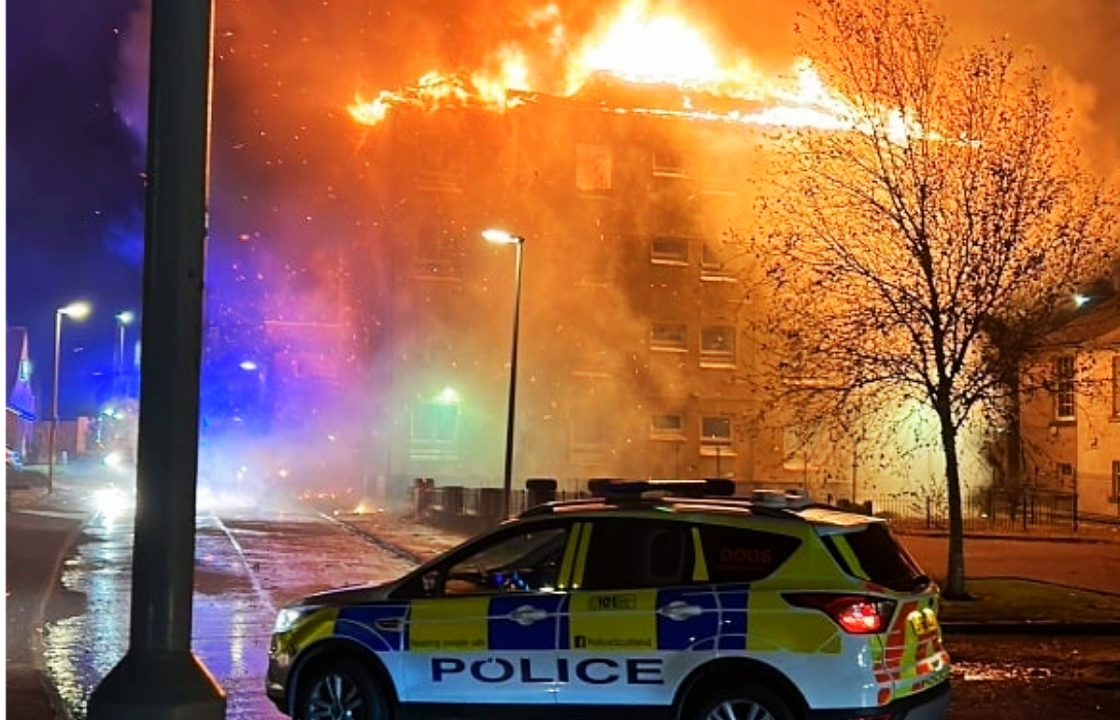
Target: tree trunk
(1016,484)
(955,582)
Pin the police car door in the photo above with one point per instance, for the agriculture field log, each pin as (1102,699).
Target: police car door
(641,613)
(487,633)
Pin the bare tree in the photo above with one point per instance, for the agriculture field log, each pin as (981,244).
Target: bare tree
(955,199)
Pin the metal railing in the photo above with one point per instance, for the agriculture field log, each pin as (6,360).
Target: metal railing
(471,509)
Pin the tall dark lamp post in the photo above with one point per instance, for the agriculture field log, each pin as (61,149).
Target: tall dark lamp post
(159,677)
(501,237)
(75,311)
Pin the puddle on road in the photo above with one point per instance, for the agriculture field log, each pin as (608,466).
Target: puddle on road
(999,672)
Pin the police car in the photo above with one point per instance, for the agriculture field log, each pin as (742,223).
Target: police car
(678,605)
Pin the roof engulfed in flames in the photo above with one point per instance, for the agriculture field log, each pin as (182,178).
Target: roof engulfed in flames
(638,46)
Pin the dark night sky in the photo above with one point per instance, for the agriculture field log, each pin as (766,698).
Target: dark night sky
(74,189)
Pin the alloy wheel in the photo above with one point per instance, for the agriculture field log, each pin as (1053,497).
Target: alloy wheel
(739,710)
(336,697)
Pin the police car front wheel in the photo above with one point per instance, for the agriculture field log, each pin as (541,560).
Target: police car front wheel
(743,702)
(341,690)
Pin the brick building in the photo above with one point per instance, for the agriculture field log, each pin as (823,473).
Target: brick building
(633,351)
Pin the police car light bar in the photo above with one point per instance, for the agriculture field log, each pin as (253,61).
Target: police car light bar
(792,499)
(635,489)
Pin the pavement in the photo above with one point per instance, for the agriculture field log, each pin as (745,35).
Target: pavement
(40,530)
(52,524)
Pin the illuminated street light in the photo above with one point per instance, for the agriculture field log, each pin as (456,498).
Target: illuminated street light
(75,311)
(501,237)
(125,317)
(1079,299)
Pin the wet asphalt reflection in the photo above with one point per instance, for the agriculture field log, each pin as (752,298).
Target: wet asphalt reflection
(248,563)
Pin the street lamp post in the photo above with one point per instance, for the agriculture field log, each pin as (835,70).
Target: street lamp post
(77,311)
(501,237)
(125,317)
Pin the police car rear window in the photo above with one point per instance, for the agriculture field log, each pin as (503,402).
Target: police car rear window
(740,555)
(883,560)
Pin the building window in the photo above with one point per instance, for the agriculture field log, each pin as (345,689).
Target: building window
(440,165)
(435,431)
(667,427)
(1116,386)
(595,265)
(668,163)
(438,252)
(588,433)
(1063,387)
(593,167)
(1115,481)
(712,266)
(1065,476)
(668,336)
(715,435)
(668,251)
(717,346)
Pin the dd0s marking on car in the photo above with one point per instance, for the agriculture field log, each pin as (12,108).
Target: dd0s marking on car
(650,600)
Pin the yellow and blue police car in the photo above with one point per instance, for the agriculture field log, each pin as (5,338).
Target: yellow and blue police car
(678,605)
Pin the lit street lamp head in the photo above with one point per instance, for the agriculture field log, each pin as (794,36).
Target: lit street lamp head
(75,310)
(501,237)
(125,317)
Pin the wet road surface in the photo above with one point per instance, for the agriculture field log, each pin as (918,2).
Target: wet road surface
(1020,678)
(250,561)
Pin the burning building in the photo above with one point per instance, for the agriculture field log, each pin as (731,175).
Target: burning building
(633,347)
(622,147)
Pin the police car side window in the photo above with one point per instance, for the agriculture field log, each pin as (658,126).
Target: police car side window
(740,555)
(523,562)
(628,554)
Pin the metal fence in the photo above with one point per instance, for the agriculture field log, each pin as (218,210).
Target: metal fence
(985,510)
(471,509)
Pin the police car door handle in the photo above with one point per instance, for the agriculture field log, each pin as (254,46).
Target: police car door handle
(680,610)
(389,624)
(526,615)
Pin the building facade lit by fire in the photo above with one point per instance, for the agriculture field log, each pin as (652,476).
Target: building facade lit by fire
(633,346)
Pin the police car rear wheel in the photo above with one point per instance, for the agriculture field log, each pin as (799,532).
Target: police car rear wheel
(342,690)
(744,702)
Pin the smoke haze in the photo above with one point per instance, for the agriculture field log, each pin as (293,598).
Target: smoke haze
(289,168)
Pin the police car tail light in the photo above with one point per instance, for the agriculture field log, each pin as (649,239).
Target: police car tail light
(856,614)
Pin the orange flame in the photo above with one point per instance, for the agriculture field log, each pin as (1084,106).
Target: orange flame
(638,45)
(641,47)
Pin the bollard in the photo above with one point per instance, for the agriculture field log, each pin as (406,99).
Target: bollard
(491,505)
(453,500)
(422,491)
(539,491)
